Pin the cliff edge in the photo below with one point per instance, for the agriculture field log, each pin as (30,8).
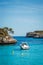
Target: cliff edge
(37,34)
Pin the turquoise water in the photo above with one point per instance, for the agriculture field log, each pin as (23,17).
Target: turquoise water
(13,55)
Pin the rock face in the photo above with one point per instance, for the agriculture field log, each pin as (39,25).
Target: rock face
(7,40)
(35,34)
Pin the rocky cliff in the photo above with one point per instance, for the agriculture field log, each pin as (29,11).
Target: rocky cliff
(5,38)
(37,34)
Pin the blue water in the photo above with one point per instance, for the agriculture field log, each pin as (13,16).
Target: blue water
(13,55)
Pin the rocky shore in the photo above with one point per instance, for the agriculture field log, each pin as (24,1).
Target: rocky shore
(5,37)
(7,40)
(35,34)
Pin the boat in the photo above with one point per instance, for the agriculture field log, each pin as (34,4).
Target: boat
(24,46)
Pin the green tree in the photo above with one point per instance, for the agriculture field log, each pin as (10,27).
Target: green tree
(8,30)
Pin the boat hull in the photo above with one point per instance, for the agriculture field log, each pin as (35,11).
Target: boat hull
(25,48)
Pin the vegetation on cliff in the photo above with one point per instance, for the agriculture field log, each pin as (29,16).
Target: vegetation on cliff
(5,36)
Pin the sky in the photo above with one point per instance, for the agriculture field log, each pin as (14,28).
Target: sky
(21,15)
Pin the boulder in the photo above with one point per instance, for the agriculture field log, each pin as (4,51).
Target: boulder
(8,40)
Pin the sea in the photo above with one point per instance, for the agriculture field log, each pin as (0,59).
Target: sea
(13,55)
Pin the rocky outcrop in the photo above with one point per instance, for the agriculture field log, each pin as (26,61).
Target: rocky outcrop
(7,40)
(3,33)
(35,34)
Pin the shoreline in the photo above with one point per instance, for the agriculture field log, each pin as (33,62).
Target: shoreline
(7,44)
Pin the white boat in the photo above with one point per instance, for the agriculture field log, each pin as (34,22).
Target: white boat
(24,46)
